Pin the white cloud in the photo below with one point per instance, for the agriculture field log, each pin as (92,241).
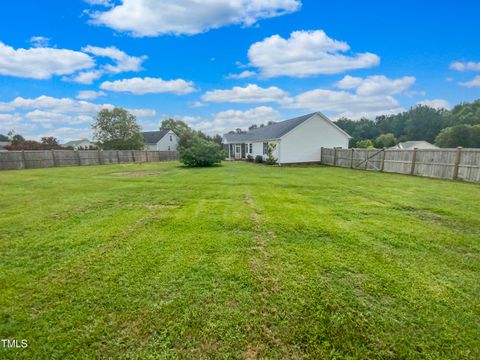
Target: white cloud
(42,62)
(306,53)
(436,103)
(243,75)
(250,94)
(140,86)
(123,62)
(376,85)
(39,116)
(89,94)
(85,77)
(346,104)
(472,83)
(465,66)
(225,121)
(106,3)
(39,41)
(47,115)
(153,18)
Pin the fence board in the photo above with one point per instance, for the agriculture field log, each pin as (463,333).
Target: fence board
(436,163)
(14,160)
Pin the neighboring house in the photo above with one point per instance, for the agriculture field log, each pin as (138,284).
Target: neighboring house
(3,144)
(410,145)
(298,140)
(163,140)
(77,144)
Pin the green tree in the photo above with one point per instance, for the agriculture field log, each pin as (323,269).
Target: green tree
(179,127)
(117,129)
(17,139)
(465,113)
(365,144)
(459,135)
(199,152)
(385,140)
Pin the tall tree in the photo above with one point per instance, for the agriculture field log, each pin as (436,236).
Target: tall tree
(179,127)
(117,129)
(385,140)
(459,135)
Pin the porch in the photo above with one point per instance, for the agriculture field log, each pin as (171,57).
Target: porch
(236,151)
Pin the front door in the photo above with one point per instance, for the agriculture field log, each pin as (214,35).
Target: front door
(238,151)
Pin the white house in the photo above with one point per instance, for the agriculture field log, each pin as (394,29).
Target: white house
(3,144)
(77,144)
(163,140)
(410,145)
(297,140)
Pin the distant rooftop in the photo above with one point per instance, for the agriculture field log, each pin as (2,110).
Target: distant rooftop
(153,137)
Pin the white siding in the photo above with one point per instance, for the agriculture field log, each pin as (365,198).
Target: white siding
(168,143)
(257,149)
(303,143)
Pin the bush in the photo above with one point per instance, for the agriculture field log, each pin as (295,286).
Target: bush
(259,159)
(271,160)
(200,152)
(250,158)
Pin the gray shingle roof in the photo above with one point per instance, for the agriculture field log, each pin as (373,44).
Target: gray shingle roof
(269,132)
(153,137)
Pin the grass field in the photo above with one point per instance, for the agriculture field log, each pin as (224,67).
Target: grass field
(239,261)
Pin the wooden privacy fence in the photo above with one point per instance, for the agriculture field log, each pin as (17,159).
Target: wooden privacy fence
(29,159)
(461,164)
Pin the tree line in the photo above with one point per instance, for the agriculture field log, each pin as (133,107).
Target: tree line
(445,128)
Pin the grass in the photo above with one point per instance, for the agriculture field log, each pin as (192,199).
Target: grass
(239,261)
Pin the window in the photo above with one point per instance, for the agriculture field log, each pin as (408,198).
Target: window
(265,146)
(170,139)
(251,149)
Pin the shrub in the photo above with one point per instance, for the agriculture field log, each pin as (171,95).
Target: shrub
(259,159)
(271,160)
(200,152)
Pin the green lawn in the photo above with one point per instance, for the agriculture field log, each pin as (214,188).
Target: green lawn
(238,261)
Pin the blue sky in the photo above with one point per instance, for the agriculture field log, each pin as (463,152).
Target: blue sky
(223,64)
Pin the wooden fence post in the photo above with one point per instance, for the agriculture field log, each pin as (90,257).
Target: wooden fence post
(54,158)
(100,155)
(146,155)
(321,154)
(351,158)
(118,158)
(366,159)
(334,156)
(458,157)
(24,162)
(78,158)
(133,155)
(383,160)
(414,159)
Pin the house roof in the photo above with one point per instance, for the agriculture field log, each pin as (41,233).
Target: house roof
(408,145)
(274,131)
(153,137)
(76,142)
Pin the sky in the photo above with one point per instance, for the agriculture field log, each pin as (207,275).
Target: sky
(226,64)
